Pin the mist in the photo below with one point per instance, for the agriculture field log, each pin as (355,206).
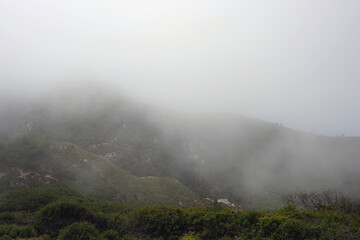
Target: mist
(295,63)
(244,100)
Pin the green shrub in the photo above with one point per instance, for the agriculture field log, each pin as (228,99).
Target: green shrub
(270,224)
(79,231)
(56,216)
(32,199)
(289,211)
(252,218)
(110,235)
(17,218)
(212,223)
(225,238)
(249,224)
(7,218)
(5,237)
(159,221)
(163,222)
(108,207)
(45,237)
(190,236)
(100,220)
(16,231)
(291,229)
(128,237)
(121,223)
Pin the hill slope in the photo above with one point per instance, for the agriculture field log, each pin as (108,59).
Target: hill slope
(29,162)
(215,155)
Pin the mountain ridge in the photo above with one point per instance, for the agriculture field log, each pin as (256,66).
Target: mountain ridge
(215,155)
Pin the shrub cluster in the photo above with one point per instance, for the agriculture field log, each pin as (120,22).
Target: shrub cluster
(16,231)
(32,199)
(83,221)
(324,199)
(56,216)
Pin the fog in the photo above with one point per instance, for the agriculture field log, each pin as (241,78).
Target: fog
(291,62)
(248,161)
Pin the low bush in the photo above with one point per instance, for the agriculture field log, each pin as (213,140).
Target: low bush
(110,235)
(32,199)
(56,216)
(270,224)
(75,221)
(190,236)
(292,229)
(79,231)
(213,223)
(16,231)
(159,221)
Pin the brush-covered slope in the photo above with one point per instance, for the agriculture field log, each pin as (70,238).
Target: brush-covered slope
(29,162)
(215,155)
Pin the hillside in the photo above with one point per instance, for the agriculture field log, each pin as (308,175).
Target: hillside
(215,155)
(29,162)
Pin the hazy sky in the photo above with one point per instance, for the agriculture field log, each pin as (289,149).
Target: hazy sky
(296,62)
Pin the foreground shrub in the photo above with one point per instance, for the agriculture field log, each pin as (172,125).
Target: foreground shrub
(174,223)
(16,231)
(79,231)
(270,224)
(212,223)
(110,235)
(56,216)
(129,237)
(16,218)
(291,229)
(159,221)
(190,236)
(7,218)
(163,222)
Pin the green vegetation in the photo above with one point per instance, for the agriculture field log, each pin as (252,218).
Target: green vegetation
(29,163)
(110,172)
(109,147)
(32,199)
(78,217)
(54,217)
(79,231)
(16,231)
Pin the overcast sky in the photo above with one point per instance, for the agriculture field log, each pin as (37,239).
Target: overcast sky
(295,62)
